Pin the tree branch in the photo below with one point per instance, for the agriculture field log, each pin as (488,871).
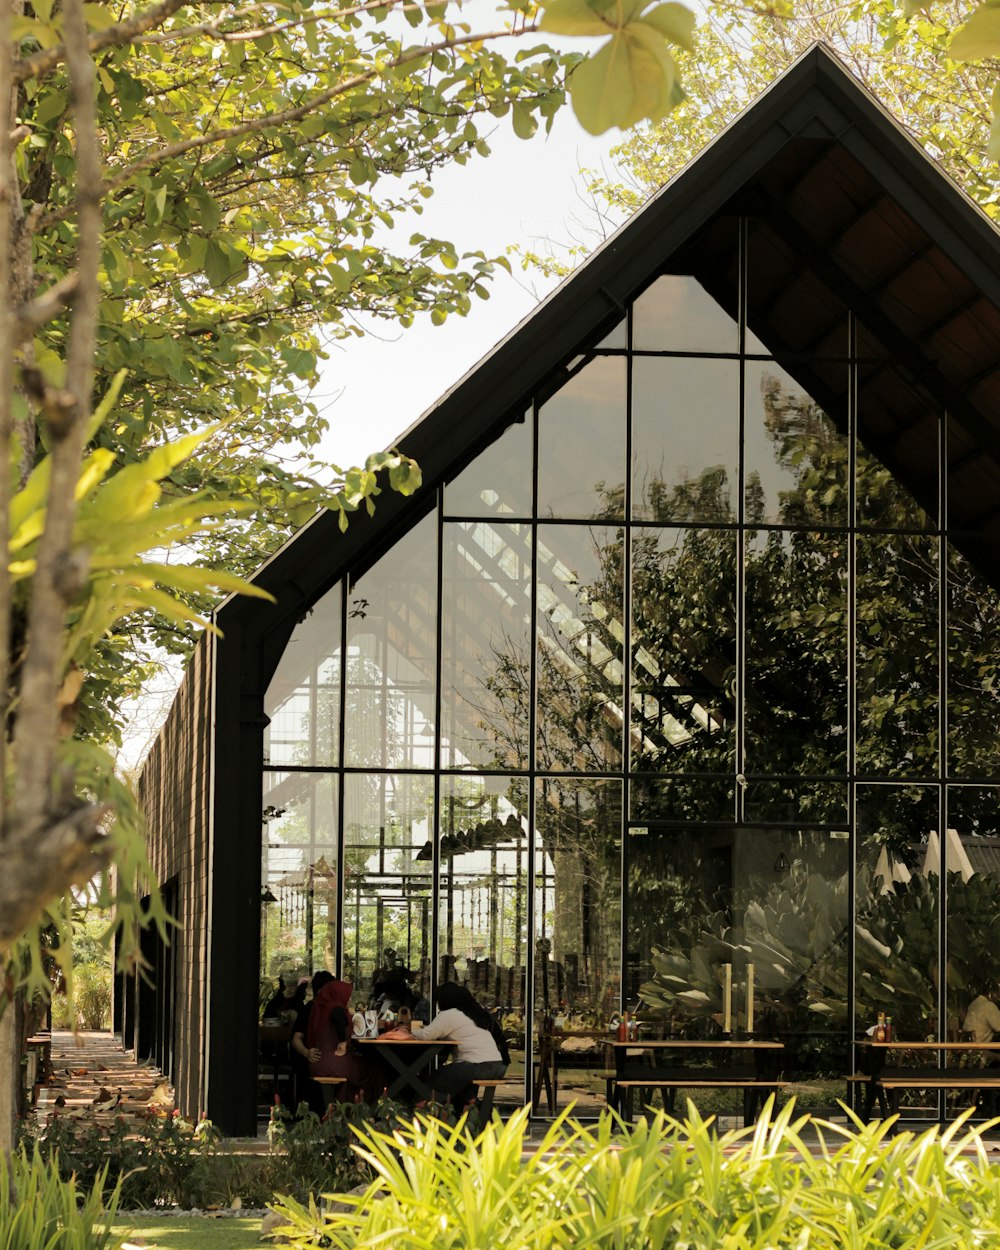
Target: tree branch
(213,30)
(30,317)
(271,120)
(58,575)
(116,36)
(67,852)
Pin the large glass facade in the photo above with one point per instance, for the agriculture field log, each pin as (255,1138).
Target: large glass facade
(676,700)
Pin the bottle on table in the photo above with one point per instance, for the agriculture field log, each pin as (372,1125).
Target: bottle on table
(888,1028)
(623,1028)
(880,1027)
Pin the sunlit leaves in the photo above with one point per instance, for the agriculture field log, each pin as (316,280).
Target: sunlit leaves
(633,76)
(979,37)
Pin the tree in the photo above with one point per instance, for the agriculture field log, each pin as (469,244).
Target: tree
(187,195)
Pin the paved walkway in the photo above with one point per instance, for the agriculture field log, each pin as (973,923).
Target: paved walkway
(93,1078)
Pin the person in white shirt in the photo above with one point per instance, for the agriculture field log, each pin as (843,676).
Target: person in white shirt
(478,1053)
(982,1019)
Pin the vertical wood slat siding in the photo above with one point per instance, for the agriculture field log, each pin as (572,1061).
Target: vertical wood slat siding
(174,789)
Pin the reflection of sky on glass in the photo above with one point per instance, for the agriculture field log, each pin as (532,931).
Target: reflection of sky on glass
(685,420)
(677,314)
(581,442)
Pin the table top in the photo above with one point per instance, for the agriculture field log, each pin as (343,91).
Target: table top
(680,1042)
(406,1041)
(901,1045)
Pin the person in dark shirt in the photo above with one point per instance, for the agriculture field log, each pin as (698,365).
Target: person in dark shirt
(302,1055)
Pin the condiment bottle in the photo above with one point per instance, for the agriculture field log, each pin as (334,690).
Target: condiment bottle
(880,1027)
(623,1028)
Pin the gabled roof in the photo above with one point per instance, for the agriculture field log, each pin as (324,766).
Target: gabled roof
(846,212)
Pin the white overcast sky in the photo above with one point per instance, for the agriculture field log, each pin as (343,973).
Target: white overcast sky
(372,389)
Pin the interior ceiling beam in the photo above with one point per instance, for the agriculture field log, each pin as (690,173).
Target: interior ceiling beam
(943,391)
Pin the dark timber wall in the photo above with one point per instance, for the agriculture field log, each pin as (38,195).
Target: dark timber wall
(175,788)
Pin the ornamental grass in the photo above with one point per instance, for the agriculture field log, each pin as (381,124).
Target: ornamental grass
(788,1181)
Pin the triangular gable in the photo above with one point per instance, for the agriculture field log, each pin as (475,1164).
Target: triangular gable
(856,217)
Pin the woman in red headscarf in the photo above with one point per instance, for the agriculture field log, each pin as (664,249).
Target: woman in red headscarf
(329,1032)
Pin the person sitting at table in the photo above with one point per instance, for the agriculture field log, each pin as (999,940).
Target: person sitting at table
(328,1038)
(982,1019)
(308,1091)
(477,1056)
(287,1001)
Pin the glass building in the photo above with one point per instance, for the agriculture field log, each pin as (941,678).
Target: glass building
(675,689)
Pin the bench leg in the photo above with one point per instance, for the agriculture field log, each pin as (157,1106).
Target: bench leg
(486,1103)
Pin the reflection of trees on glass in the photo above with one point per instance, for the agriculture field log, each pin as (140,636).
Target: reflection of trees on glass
(578,827)
(795,934)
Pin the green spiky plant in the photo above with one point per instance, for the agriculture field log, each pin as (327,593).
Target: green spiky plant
(664,1183)
(41,1211)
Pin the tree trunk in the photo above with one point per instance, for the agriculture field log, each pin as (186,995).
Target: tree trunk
(11,1084)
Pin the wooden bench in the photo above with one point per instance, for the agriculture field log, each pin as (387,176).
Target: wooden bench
(329,1087)
(485,1103)
(754,1087)
(892,1080)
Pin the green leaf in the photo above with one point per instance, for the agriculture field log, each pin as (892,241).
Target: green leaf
(629,79)
(99,16)
(525,123)
(979,37)
(675,21)
(222,263)
(572,17)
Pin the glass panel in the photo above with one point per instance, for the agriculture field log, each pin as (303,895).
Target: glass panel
(973,667)
(677,314)
(685,439)
(692,798)
(388,826)
(486,645)
(581,444)
(483,919)
(683,650)
(498,480)
(972,860)
(796,461)
(719,918)
(796,652)
(299,870)
(897,660)
(580,689)
(897,898)
(797,802)
(302,702)
(392,645)
(577,890)
(617,340)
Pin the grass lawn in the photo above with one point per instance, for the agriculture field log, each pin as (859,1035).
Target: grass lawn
(192,1232)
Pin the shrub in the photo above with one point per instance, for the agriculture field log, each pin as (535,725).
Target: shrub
(166,1161)
(310,1155)
(39,1210)
(664,1183)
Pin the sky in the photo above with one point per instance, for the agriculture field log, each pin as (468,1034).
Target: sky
(526,191)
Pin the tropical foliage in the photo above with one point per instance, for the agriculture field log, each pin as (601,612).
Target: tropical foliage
(39,1210)
(664,1183)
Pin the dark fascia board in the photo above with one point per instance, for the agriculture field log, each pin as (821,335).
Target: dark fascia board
(815,98)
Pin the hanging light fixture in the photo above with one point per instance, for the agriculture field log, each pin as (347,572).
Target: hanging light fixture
(267,896)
